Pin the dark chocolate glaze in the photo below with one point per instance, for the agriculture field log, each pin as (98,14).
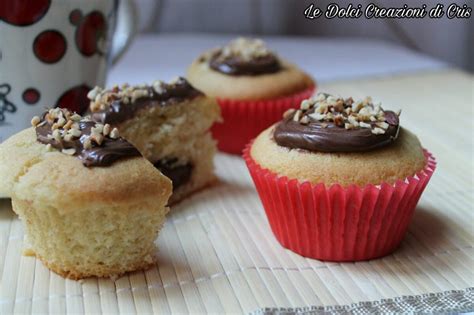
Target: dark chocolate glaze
(332,138)
(108,152)
(237,66)
(179,174)
(118,112)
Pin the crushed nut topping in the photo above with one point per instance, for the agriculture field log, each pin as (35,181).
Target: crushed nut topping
(66,129)
(114,134)
(101,99)
(245,48)
(288,112)
(35,121)
(344,113)
(93,143)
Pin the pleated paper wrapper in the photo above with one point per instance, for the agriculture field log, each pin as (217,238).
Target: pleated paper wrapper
(338,223)
(244,120)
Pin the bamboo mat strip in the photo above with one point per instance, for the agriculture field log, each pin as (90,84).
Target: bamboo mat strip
(447,302)
(218,255)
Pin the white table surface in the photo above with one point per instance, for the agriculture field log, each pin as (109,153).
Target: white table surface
(165,56)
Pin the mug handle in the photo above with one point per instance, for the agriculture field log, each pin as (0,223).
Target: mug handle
(125,29)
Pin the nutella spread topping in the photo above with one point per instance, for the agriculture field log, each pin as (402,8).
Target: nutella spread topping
(93,143)
(179,173)
(121,103)
(328,124)
(243,56)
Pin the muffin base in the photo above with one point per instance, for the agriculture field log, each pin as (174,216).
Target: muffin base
(200,153)
(179,131)
(100,241)
(105,273)
(338,223)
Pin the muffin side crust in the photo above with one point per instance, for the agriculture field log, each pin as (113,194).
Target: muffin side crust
(319,145)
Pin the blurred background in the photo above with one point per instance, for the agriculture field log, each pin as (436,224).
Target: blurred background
(450,40)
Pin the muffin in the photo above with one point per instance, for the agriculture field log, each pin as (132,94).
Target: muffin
(169,124)
(91,204)
(253,86)
(339,180)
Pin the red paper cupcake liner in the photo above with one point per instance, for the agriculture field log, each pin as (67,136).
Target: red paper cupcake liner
(338,223)
(244,120)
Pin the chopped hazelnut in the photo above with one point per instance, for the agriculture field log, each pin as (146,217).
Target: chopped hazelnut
(94,106)
(378,131)
(56,135)
(322,108)
(75,126)
(35,121)
(377,109)
(97,138)
(365,112)
(304,120)
(331,100)
(367,100)
(61,121)
(305,104)
(114,134)
(339,121)
(93,93)
(297,115)
(353,121)
(139,94)
(339,106)
(382,125)
(357,106)
(106,129)
(87,143)
(288,112)
(68,125)
(320,97)
(317,116)
(158,87)
(364,125)
(75,132)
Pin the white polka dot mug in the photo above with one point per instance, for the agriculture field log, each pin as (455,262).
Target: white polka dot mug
(52,52)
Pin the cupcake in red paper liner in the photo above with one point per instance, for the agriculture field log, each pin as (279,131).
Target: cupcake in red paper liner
(253,86)
(339,180)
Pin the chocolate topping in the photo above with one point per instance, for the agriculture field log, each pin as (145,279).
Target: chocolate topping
(120,104)
(327,124)
(94,144)
(178,173)
(244,57)
(238,66)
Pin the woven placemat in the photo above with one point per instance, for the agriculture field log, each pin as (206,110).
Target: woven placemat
(448,302)
(218,254)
